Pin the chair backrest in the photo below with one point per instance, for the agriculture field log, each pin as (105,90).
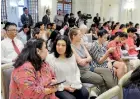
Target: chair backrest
(6,71)
(123,80)
(113,93)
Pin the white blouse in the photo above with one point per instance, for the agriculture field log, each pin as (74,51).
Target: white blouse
(66,69)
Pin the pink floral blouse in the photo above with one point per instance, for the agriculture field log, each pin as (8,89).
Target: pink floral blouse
(27,83)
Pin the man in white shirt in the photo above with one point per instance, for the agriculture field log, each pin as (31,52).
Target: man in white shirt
(10,46)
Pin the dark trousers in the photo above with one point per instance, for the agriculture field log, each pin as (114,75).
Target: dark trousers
(77,94)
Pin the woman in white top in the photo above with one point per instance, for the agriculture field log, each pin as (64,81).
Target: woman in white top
(65,67)
(43,32)
(22,35)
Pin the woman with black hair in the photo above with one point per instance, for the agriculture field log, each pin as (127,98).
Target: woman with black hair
(132,86)
(36,33)
(32,77)
(122,28)
(43,32)
(65,67)
(51,39)
(115,29)
(22,35)
(118,40)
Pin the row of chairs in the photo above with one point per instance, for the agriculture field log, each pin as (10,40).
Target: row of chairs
(6,70)
(117,91)
(114,93)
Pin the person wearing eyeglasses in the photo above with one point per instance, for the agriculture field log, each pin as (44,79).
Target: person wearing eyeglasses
(10,46)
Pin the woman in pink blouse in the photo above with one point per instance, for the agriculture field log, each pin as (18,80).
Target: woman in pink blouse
(32,77)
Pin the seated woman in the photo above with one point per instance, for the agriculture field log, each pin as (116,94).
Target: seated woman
(131,47)
(22,35)
(36,33)
(119,38)
(65,67)
(43,32)
(101,77)
(100,55)
(32,76)
(132,86)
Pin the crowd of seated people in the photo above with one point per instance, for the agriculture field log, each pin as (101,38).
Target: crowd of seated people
(70,57)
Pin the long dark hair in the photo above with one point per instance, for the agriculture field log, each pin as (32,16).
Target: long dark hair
(68,52)
(134,79)
(29,53)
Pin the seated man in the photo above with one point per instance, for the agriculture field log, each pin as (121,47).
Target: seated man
(10,46)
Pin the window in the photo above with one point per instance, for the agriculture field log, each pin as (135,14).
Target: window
(3,11)
(33,9)
(65,6)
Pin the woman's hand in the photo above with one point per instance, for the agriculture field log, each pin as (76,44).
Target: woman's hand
(68,88)
(110,50)
(53,81)
(51,90)
(83,62)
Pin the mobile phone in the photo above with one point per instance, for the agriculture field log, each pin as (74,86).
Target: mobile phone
(58,83)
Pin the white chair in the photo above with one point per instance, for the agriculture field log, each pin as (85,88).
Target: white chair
(113,93)
(6,70)
(89,87)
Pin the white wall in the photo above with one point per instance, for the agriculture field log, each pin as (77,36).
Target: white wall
(126,16)
(109,9)
(12,11)
(45,4)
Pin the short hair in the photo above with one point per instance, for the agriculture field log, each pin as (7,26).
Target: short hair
(71,14)
(6,24)
(105,24)
(122,26)
(29,53)
(93,25)
(68,51)
(130,23)
(115,26)
(117,23)
(132,30)
(120,34)
(24,8)
(127,24)
(25,26)
(51,24)
(10,24)
(73,32)
(35,31)
(101,33)
(78,12)
(38,24)
(137,24)
(47,11)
